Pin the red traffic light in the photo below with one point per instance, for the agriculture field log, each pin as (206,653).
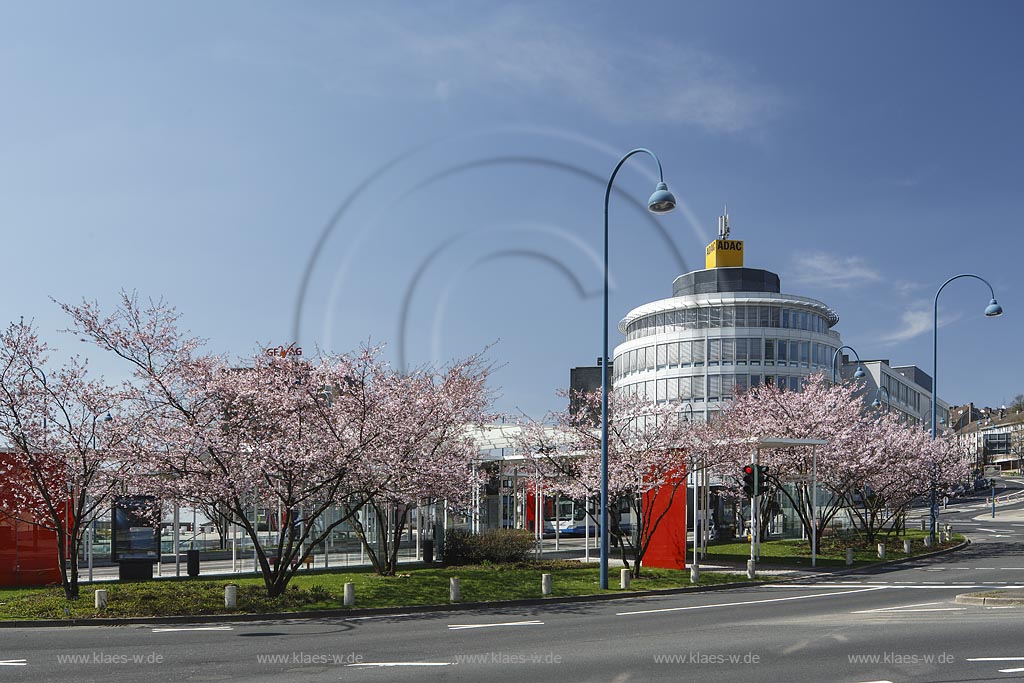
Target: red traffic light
(748,469)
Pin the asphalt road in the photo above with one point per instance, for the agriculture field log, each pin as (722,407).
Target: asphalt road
(898,623)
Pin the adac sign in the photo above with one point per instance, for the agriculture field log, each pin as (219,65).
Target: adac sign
(724,254)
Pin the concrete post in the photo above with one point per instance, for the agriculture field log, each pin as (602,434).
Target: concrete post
(350,594)
(924,524)
(694,573)
(624,578)
(881,551)
(906,546)
(545,584)
(454,589)
(927,542)
(849,557)
(101,598)
(751,569)
(231,596)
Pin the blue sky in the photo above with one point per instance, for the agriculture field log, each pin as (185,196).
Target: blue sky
(436,175)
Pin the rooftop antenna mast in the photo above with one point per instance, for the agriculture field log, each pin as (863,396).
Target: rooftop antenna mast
(723,223)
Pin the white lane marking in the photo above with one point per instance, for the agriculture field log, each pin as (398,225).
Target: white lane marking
(1011,568)
(14,662)
(936,609)
(389,664)
(1010,671)
(886,609)
(461,627)
(991,531)
(999,606)
(194,628)
(384,616)
(844,584)
(748,602)
(995,659)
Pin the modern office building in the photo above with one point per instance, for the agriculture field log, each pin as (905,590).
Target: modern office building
(903,389)
(725,328)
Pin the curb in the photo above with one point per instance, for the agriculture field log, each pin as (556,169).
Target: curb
(979,599)
(423,609)
(812,572)
(902,560)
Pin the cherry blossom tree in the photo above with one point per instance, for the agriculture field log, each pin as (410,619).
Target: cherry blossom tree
(240,437)
(899,468)
(426,451)
(69,443)
(819,411)
(299,436)
(649,448)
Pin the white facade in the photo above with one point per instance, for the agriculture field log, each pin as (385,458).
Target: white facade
(698,348)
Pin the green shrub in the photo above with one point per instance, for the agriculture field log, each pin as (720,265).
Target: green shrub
(500,546)
(459,547)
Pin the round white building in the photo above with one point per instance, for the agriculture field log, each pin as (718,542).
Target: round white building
(724,328)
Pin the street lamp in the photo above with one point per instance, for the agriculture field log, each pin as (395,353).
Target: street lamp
(888,401)
(857,374)
(661,201)
(992,310)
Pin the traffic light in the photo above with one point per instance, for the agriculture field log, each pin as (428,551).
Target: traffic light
(755,479)
(748,480)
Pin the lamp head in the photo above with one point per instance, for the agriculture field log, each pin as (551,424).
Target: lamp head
(992,310)
(108,418)
(662,201)
(876,403)
(858,373)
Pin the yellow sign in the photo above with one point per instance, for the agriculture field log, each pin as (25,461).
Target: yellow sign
(724,254)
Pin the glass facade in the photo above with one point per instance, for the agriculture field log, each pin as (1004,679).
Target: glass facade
(726,317)
(708,353)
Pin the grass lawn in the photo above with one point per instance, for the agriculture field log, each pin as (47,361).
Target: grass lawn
(316,590)
(832,552)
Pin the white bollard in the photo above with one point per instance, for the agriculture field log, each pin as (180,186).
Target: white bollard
(881,551)
(927,541)
(101,599)
(231,596)
(906,546)
(923,524)
(694,573)
(454,589)
(624,578)
(751,569)
(350,594)
(849,557)
(545,584)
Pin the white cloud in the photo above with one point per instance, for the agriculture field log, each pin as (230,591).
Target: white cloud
(648,80)
(518,53)
(913,323)
(825,270)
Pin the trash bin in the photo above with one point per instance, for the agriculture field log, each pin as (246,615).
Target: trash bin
(193,562)
(428,551)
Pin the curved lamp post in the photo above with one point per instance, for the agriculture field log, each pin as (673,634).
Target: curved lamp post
(857,374)
(661,201)
(888,400)
(991,311)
